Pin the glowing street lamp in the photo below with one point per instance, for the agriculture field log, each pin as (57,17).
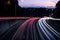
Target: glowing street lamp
(8,2)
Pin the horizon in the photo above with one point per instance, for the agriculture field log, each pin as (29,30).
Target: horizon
(38,7)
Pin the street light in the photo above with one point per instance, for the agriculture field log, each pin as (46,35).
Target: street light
(9,2)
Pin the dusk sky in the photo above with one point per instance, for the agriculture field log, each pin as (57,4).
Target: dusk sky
(37,2)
